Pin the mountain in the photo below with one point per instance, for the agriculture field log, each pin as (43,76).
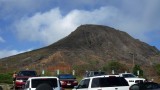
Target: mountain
(89,47)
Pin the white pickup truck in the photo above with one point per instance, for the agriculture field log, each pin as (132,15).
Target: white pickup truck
(131,78)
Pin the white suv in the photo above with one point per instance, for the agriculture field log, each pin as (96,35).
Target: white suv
(131,78)
(105,82)
(33,82)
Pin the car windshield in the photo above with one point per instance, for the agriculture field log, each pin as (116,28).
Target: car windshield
(27,73)
(66,76)
(51,81)
(129,76)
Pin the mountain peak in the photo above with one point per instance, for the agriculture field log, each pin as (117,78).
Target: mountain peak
(92,36)
(90,46)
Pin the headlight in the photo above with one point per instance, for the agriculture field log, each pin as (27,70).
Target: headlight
(19,80)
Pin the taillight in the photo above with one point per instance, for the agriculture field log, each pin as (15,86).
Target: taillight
(75,82)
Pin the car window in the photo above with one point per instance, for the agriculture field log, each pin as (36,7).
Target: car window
(95,83)
(84,84)
(94,73)
(51,81)
(129,76)
(108,82)
(66,76)
(99,73)
(27,73)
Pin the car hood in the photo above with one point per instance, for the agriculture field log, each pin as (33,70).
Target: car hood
(24,76)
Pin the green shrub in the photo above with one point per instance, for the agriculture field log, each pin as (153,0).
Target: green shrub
(116,66)
(6,78)
(137,68)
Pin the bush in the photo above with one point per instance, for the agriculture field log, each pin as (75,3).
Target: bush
(6,78)
(137,68)
(116,66)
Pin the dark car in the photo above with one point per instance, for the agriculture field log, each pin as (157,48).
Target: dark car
(23,76)
(94,73)
(67,80)
(145,86)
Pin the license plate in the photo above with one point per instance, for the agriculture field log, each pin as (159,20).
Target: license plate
(68,84)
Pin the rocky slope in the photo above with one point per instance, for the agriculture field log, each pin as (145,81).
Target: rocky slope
(88,47)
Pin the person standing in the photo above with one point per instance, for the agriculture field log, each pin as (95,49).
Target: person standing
(14,77)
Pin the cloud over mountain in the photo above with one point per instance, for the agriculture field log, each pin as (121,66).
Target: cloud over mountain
(51,26)
(6,53)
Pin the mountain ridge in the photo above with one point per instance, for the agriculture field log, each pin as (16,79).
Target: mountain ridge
(88,46)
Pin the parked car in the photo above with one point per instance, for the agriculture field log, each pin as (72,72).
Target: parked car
(67,80)
(34,83)
(131,78)
(23,76)
(145,86)
(94,73)
(106,82)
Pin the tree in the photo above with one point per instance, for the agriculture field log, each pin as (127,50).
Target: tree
(137,68)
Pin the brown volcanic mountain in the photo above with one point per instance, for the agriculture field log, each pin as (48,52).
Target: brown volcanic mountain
(88,47)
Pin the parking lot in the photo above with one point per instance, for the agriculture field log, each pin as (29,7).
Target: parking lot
(92,79)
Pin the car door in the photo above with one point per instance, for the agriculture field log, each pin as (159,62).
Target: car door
(83,85)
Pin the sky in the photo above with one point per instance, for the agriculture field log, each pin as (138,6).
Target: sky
(26,25)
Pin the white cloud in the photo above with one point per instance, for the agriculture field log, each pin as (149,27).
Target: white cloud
(6,53)
(51,26)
